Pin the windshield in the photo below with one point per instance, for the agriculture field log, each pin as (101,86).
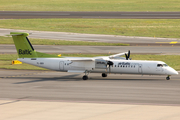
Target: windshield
(165,65)
(162,65)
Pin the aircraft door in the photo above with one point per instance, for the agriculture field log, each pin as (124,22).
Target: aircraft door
(140,68)
(61,65)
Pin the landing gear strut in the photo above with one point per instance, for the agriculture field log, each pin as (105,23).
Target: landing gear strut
(104,75)
(168,77)
(85,77)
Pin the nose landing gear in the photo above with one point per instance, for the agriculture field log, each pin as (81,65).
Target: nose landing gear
(168,77)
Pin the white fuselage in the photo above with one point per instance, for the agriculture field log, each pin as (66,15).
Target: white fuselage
(119,66)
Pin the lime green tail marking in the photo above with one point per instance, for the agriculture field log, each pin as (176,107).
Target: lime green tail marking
(24,47)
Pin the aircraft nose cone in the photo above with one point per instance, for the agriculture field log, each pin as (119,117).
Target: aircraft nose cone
(176,73)
(173,72)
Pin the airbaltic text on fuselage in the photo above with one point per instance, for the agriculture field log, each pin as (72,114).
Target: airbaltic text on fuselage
(127,63)
(25,52)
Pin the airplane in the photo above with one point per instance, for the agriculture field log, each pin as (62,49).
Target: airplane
(102,64)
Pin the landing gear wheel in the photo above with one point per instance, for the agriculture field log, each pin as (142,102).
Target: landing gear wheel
(85,77)
(104,75)
(167,78)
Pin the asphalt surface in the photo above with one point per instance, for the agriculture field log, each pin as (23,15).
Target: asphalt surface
(58,86)
(134,41)
(152,94)
(165,50)
(96,15)
(142,45)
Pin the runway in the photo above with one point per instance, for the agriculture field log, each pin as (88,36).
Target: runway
(115,89)
(91,15)
(28,94)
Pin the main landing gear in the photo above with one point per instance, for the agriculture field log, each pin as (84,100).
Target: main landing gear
(168,77)
(85,77)
(104,75)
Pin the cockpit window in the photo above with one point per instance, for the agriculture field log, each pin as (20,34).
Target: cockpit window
(162,65)
(159,65)
(165,65)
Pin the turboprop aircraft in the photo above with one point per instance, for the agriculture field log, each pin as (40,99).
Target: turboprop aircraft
(105,64)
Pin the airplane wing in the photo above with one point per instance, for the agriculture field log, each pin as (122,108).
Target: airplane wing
(115,56)
(81,59)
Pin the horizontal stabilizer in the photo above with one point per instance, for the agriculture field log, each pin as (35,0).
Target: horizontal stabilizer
(18,34)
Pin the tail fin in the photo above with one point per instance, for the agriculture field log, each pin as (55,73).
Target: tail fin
(24,47)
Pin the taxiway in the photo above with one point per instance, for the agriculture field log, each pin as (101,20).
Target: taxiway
(91,15)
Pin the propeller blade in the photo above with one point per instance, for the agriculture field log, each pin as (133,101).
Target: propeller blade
(109,64)
(128,54)
(109,69)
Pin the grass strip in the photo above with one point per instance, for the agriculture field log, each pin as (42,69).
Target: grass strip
(171,60)
(8,40)
(90,5)
(165,28)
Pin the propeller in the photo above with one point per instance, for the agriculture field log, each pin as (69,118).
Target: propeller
(109,64)
(127,55)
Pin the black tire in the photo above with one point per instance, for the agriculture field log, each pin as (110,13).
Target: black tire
(167,78)
(85,77)
(104,75)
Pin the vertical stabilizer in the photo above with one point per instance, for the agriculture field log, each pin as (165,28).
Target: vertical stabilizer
(24,47)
